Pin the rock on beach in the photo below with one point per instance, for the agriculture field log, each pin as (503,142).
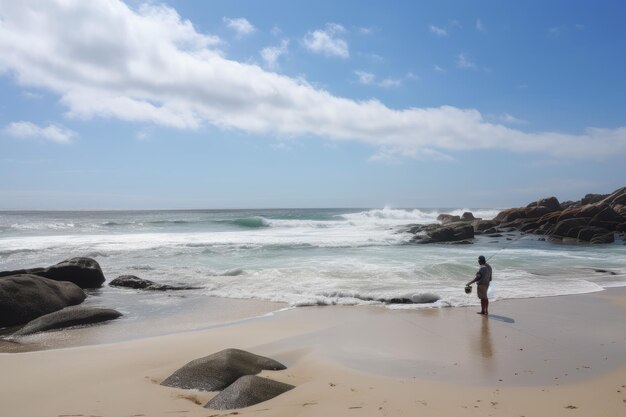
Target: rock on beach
(25,297)
(84,272)
(132,281)
(68,317)
(217,371)
(246,391)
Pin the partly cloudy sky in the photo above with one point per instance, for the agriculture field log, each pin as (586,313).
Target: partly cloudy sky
(226,104)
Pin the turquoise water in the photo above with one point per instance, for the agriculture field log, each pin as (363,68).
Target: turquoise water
(303,256)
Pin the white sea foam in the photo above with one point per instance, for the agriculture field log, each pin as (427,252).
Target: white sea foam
(43,226)
(389,216)
(306,257)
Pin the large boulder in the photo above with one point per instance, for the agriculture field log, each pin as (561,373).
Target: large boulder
(26,297)
(217,371)
(246,391)
(449,233)
(509,215)
(592,198)
(600,238)
(84,272)
(568,227)
(580,230)
(616,197)
(550,204)
(67,317)
(588,233)
(448,218)
(534,210)
(468,216)
(617,201)
(480,226)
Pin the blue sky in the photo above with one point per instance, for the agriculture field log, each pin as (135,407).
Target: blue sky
(243,104)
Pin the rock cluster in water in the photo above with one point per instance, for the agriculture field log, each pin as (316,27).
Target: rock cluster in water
(595,219)
(132,281)
(41,297)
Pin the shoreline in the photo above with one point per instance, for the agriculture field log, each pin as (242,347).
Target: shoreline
(200,317)
(558,351)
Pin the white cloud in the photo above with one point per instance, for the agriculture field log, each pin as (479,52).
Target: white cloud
(240,25)
(145,133)
(28,130)
(390,82)
(444,31)
(151,66)
(365,77)
(464,62)
(368,78)
(327,42)
(271,54)
(508,119)
(395,155)
(410,76)
(480,26)
(32,96)
(438,31)
(439,69)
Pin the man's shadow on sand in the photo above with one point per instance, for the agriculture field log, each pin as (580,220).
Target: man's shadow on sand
(500,318)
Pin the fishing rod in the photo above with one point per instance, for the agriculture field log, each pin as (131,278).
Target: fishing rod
(520,237)
(468,288)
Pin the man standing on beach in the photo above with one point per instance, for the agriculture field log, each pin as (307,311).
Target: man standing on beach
(483,278)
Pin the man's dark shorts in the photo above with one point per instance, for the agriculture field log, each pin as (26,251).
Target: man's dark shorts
(481,291)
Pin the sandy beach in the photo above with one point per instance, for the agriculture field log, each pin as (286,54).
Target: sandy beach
(293,200)
(546,356)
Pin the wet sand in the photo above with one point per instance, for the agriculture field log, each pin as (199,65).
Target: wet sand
(550,356)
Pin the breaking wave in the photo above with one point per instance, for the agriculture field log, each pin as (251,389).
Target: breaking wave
(251,222)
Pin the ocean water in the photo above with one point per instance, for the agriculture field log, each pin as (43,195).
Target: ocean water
(300,256)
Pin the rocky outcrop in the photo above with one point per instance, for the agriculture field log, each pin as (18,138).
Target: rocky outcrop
(132,281)
(595,222)
(217,371)
(517,216)
(596,219)
(84,272)
(67,317)
(246,391)
(25,297)
(449,232)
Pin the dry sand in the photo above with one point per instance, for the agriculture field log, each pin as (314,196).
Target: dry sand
(561,356)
